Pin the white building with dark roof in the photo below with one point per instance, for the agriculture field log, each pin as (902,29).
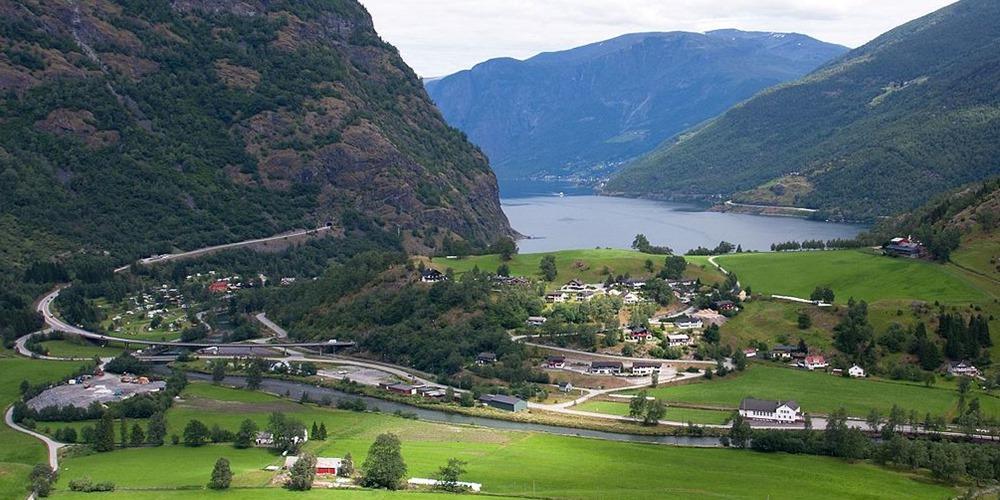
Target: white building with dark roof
(771,411)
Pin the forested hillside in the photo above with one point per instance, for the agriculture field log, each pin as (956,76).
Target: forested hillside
(133,127)
(913,113)
(585,110)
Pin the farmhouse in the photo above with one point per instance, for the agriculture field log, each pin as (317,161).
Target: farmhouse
(501,402)
(782,351)
(536,320)
(677,340)
(750,352)
(773,411)
(324,465)
(486,358)
(565,386)
(556,297)
(606,367)
(963,368)
(814,362)
(638,334)
(903,247)
(218,287)
(644,368)
(688,323)
(264,439)
(432,276)
(856,371)
(555,361)
(724,305)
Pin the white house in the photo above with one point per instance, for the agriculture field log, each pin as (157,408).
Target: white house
(677,340)
(606,367)
(645,368)
(556,298)
(856,371)
(537,320)
(772,411)
(688,323)
(963,368)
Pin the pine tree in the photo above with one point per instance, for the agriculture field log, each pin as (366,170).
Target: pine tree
(104,438)
(222,475)
(254,375)
(314,432)
(346,466)
(156,429)
(322,431)
(247,434)
(123,432)
(138,437)
(302,473)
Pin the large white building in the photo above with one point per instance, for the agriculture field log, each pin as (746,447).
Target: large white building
(772,411)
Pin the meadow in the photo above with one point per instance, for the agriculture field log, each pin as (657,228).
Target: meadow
(853,273)
(674,413)
(773,321)
(819,392)
(18,451)
(505,462)
(78,348)
(589,266)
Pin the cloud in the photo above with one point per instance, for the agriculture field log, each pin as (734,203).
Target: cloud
(439,37)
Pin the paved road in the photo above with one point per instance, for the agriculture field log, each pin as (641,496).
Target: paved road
(45,309)
(731,203)
(156,259)
(521,338)
(51,444)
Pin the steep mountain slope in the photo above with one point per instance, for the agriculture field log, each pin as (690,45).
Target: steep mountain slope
(136,127)
(910,114)
(585,110)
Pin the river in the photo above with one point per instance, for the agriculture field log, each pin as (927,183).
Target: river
(578,219)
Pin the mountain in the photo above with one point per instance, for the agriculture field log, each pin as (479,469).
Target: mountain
(913,113)
(138,127)
(584,111)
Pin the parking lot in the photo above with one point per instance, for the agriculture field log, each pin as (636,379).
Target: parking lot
(104,389)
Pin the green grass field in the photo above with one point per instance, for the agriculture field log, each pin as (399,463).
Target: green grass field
(822,393)
(980,252)
(19,452)
(585,265)
(79,349)
(674,413)
(505,462)
(853,273)
(772,321)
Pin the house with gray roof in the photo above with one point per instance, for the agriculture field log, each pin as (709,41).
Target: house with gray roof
(784,412)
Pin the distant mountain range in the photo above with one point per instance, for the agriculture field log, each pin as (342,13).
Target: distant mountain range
(880,130)
(586,110)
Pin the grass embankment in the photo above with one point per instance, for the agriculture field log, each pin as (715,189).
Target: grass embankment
(770,321)
(505,462)
(674,413)
(852,273)
(18,451)
(822,393)
(589,266)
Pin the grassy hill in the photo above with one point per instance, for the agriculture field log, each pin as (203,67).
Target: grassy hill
(585,265)
(854,273)
(880,130)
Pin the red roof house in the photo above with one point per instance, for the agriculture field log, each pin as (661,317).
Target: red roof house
(218,287)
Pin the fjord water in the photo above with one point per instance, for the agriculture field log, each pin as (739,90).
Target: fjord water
(578,219)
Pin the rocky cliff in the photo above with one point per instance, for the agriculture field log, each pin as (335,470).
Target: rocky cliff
(140,126)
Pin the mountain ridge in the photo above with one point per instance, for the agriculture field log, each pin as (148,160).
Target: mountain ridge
(569,113)
(910,114)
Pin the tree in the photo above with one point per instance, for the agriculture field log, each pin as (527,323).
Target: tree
(254,375)
(247,435)
(41,478)
(314,431)
(506,247)
(346,466)
(302,473)
(655,410)
(805,321)
(138,437)
(104,436)
(640,242)
(156,429)
(673,267)
(548,268)
(740,360)
(711,334)
(287,432)
(195,433)
(384,466)
(503,270)
(322,432)
(740,431)
(222,475)
(123,431)
(637,405)
(822,294)
(218,371)
(448,476)
(874,420)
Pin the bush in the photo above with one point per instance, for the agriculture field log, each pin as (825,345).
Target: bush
(85,485)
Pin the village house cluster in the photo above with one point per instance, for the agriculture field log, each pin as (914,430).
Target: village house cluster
(578,291)
(149,304)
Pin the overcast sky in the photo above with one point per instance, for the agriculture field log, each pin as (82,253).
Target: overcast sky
(439,37)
